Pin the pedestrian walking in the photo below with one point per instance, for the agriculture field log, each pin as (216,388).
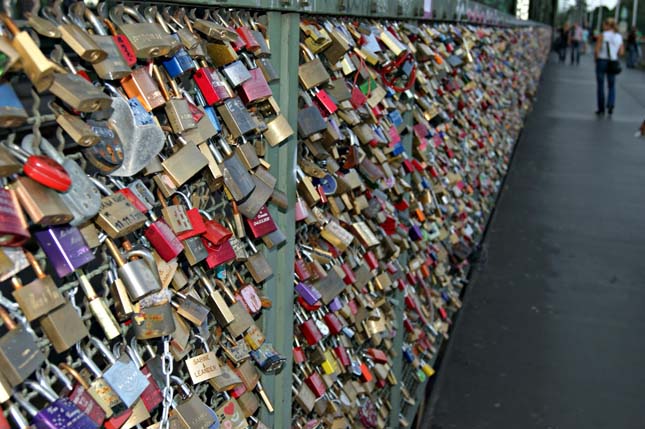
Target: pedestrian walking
(632,48)
(562,42)
(609,46)
(575,39)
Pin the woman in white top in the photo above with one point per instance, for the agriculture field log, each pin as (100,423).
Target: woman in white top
(609,46)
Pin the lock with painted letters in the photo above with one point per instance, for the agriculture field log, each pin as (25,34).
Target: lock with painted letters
(117,216)
(236,117)
(65,248)
(148,39)
(59,413)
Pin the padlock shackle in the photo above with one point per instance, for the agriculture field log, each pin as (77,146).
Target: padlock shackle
(63,366)
(116,253)
(103,349)
(25,404)
(58,373)
(185,390)
(45,392)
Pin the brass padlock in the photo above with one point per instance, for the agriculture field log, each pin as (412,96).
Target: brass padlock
(117,216)
(312,72)
(43,205)
(38,68)
(78,93)
(40,296)
(278,130)
(64,327)
(185,163)
(148,39)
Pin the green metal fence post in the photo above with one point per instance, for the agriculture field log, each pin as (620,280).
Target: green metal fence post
(283,29)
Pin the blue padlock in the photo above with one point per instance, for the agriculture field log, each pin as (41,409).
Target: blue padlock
(395,117)
(12,112)
(210,113)
(179,63)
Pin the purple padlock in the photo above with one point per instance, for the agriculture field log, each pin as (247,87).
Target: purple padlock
(415,233)
(308,293)
(61,413)
(335,304)
(65,248)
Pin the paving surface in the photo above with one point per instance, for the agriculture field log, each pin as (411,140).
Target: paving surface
(551,333)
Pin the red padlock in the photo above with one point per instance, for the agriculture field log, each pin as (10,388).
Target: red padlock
(262,224)
(316,383)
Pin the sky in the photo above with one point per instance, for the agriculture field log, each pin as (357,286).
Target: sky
(591,4)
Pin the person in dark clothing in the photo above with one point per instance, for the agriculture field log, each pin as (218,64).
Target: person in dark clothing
(563,40)
(575,39)
(632,48)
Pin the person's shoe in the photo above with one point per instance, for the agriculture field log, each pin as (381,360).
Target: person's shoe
(599,112)
(610,110)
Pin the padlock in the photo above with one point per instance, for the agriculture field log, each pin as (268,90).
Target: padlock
(42,169)
(185,163)
(19,355)
(113,66)
(59,413)
(237,118)
(257,265)
(138,275)
(304,396)
(115,410)
(78,93)
(204,366)
(310,122)
(221,54)
(278,130)
(190,308)
(65,248)
(268,359)
(141,85)
(231,415)
(122,375)
(262,224)
(78,392)
(64,327)
(312,72)
(12,112)
(99,308)
(148,39)
(212,88)
(190,411)
(215,301)
(256,88)
(36,66)
(179,64)
(14,230)
(237,179)
(268,70)
(117,216)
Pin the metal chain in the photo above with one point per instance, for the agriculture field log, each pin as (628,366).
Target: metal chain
(166,368)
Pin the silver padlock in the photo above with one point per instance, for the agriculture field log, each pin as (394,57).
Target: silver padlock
(140,276)
(123,374)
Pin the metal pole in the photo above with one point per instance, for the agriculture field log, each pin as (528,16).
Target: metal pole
(599,18)
(616,15)
(634,13)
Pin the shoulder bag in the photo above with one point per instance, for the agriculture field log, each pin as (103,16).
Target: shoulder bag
(613,66)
